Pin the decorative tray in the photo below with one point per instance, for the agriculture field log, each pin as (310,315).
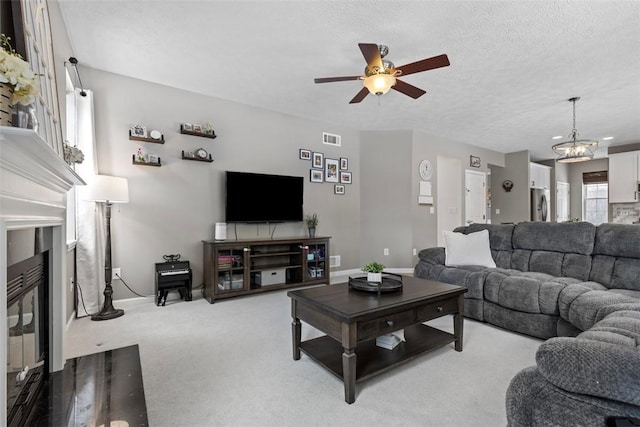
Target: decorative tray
(390,283)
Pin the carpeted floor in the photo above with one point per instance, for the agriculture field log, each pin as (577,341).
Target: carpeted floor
(230,364)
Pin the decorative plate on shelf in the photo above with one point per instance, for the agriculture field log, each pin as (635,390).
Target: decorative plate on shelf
(155,134)
(202,153)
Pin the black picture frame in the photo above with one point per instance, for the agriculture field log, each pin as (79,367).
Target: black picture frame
(345,177)
(338,189)
(474,161)
(316,175)
(317,160)
(344,163)
(305,154)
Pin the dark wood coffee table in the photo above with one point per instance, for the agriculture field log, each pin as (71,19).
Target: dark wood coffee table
(353,319)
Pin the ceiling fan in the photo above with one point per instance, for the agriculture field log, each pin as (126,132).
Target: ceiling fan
(380,74)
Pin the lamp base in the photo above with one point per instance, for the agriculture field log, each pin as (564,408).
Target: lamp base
(108,313)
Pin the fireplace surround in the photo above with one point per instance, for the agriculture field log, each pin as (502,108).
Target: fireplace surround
(34,182)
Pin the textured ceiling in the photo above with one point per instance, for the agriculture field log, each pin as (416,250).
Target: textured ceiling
(514,64)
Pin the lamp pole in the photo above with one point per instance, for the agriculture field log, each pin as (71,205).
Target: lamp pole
(108,311)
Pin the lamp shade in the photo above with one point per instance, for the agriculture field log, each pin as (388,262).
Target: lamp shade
(105,188)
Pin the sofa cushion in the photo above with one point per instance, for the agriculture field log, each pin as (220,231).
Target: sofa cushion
(586,308)
(467,249)
(528,292)
(574,237)
(601,362)
(617,240)
(499,234)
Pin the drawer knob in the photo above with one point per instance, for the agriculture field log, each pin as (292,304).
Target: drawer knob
(439,309)
(389,322)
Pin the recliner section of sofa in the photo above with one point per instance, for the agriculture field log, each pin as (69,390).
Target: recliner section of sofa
(576,285)
(583,380)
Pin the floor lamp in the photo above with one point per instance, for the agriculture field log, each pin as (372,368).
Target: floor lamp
(108,190)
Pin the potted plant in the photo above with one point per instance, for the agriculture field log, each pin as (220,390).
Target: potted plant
(312,222)
(374,271)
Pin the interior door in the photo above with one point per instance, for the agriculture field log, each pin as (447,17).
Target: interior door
(562,201)
(475,197)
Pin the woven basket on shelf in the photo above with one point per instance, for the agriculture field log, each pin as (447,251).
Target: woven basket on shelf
(6,110)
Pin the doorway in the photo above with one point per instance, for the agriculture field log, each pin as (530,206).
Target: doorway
(475,199)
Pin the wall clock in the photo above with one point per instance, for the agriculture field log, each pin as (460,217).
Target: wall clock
(202,153)
(426,170)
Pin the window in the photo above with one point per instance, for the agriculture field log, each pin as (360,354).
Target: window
(595,197)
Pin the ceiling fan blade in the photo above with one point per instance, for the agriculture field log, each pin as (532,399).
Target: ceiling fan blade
(360,96)
(424,65)
(407,89)
(335,79)
(371,54)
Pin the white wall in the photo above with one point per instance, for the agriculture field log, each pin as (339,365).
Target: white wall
(173,207)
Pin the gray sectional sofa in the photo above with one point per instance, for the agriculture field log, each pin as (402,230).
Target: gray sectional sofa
(574,284)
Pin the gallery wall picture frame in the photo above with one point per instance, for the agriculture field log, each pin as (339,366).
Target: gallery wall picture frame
(344,163)
(331,170)
(474,161)
(317,160)
(316,175)
(345,177)
(338,189)
(305,154)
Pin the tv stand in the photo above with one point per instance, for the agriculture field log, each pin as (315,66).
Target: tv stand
(241,267)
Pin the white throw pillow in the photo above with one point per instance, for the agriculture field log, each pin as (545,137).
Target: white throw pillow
(467,249)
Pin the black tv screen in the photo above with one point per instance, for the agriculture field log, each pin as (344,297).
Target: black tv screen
(254,197)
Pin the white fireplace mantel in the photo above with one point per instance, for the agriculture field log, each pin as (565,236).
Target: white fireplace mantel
(34,182)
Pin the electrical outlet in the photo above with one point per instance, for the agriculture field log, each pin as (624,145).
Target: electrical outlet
(386,251)
(415,251)
(115,274)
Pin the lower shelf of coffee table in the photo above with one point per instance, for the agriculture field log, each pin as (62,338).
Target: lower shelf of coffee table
(371,359)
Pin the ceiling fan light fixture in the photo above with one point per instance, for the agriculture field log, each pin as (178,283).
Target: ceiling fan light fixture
(379,84)
(575,150)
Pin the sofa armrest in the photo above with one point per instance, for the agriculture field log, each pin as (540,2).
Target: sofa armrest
(432,255)
(595,368)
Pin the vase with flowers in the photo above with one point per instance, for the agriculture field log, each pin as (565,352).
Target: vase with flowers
(17,81)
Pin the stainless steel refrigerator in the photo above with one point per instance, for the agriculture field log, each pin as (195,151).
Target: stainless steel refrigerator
(540,208)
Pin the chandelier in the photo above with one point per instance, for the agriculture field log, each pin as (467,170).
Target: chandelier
(575,150)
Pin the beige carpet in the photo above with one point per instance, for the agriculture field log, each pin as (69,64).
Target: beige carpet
(230,364)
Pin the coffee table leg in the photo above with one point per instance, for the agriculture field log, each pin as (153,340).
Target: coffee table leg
(349,374)
(296,334)
(458,324)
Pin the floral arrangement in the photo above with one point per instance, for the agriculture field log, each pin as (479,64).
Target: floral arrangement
(72,154)
(15,71)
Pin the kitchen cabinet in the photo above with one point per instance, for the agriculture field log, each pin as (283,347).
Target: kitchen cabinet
(539,176)
(624,175)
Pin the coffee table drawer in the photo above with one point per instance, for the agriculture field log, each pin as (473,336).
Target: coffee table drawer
(437,309)
(386,324)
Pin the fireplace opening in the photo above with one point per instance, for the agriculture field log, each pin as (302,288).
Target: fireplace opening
(27,335)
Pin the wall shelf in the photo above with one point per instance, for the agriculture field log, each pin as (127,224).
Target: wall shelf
(135,162)
(201,134)
(145,139)
(209,160)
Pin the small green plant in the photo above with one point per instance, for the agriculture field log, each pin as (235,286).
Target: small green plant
(311,220)
(373,267)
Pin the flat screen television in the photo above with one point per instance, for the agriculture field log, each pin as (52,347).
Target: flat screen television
(255,197)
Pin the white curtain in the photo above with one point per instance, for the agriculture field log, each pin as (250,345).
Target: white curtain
(90,220)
